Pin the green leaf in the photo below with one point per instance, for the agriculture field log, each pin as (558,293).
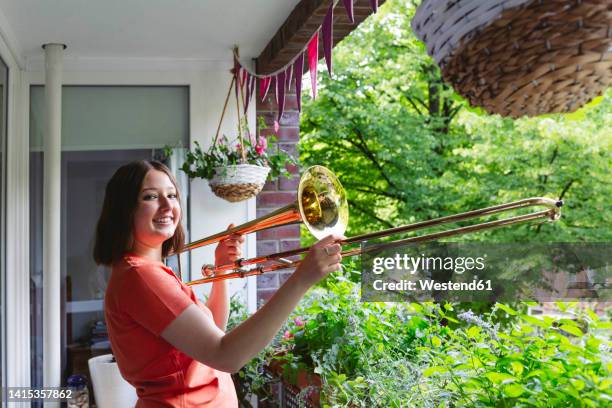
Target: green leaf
(605,384)
(561,305)
(603,325)
(517,368)
(572,330)
(506,309)
(500,378)
(428,372)
(578,384)
(536,373)
(592,315)
(535,321)
(473,332)
(435,341)
(513,390)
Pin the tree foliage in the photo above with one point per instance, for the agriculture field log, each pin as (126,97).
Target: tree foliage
(408,148)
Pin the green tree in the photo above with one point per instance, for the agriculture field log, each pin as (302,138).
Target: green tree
(407,148)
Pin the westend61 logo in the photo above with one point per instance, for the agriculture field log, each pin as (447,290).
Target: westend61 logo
(412,264)
(487,272)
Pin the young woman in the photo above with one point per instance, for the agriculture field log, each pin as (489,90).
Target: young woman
(170,346)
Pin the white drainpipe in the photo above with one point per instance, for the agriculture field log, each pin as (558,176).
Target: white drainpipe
(52,334)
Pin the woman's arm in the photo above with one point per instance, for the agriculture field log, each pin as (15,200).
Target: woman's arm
(218,303)
(196,335)
(226,252)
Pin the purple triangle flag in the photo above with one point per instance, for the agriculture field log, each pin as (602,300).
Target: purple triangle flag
(280,93)
(298,71)
(348,5)
(328,37)
(374,5)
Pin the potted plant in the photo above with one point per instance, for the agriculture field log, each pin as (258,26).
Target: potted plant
(237,169)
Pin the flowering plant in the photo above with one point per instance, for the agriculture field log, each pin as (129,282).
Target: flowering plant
(260,151)
(371,354)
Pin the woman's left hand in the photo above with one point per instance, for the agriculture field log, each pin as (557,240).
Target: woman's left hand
(229,250)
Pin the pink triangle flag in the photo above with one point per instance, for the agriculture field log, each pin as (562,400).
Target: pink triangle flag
(313,57)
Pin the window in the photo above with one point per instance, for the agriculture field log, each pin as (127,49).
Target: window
(103,127)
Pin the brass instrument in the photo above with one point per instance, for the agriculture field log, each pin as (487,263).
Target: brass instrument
(322,207)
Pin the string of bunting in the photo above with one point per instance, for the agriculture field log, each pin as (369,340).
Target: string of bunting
(281,79)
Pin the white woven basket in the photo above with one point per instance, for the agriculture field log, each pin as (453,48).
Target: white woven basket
(239,182)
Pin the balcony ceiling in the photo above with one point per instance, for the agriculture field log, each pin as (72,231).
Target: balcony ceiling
(203,30)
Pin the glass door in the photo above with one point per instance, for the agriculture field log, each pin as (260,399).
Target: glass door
(102,129)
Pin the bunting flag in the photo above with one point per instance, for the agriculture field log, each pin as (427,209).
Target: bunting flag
(374,5)
(328,37)
(244,78)
(280,93)
(250,87)
(348,5)
(298,71)
(288,78)
(264,87)
(313,57)
(281,79)
(237,77)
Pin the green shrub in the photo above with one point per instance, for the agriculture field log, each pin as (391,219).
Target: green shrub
(427,355)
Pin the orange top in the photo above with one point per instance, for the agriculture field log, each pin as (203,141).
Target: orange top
(142,298)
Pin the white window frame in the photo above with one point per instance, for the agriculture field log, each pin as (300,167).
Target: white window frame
(17,357)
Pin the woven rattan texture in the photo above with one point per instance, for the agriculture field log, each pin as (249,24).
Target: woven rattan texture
(518,57)
(238,182)
(236,192)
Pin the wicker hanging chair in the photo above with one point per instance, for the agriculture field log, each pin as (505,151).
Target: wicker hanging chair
(520,57)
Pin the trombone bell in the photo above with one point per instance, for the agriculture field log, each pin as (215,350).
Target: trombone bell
(322,202)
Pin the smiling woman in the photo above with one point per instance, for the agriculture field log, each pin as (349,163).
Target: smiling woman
(169,345)
(139,225)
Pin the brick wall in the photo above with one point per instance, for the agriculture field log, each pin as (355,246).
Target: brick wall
(279,193)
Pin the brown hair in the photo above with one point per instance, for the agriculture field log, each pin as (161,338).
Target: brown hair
(114,230)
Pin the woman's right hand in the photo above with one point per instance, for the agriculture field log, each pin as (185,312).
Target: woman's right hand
(322,259)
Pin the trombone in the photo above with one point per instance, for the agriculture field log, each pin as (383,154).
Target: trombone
(322,206)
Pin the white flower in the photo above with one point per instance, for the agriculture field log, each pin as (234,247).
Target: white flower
(470,317)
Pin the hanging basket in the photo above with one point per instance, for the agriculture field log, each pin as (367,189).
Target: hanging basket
(520,57)
(239,182)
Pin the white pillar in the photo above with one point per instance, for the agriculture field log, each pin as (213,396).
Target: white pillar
(52,351)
